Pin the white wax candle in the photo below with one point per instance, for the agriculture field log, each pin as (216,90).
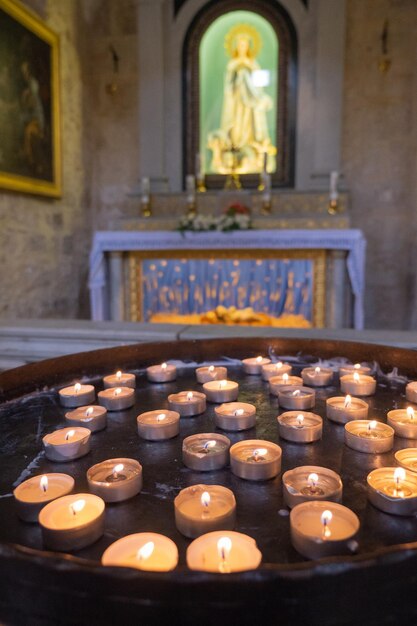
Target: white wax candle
(92,417)
(67,444)
(221,391)
(119,379)
(223,552)
(33,494)
(158,425)
(115,480)
(204,508)
(163,373)
(77,395)
(149,552)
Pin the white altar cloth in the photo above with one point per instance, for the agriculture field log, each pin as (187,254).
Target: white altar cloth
(351,241)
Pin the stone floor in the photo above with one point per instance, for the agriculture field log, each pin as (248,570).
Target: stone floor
(25,341)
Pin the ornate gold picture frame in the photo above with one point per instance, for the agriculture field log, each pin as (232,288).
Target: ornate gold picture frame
(30,151)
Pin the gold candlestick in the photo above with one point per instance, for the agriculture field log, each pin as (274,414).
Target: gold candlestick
(333,207)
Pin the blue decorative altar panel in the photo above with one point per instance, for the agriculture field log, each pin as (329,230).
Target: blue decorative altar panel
(187,286)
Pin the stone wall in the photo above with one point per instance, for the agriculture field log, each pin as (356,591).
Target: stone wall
(379,150)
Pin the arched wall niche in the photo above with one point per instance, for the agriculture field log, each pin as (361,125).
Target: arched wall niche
(285,93)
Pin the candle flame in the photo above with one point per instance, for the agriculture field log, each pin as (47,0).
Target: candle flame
(209,444)
(117,391)
(145,551)
(119,375)
(211,369)
(222,384)
(205,499)
(356,377)
(399,475)
(69,434)
(357,366)
(372,425)
(312,479)
(259,359)
(117,469)
(161,417)
(410,412)
(190,395)
(224,545)
(43,483)
(259,452)
(164,366)
(296,392)
(278,365)
(348,402)
(300,419)
(89,411)
(77,506)
(326,518)
(317,370)
(77,388)
(239,412)
(285,377)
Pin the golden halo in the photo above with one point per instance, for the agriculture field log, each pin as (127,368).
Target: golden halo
(247,31)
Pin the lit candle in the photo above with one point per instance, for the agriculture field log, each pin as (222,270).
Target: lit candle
(369,436)
(149,552)
(296,398)
(404,422)
(358,385)
(72,522)
(117,399)
(393,490)
(253,366)
(92,417)
(221,391)
(323,528)
(300,427)
(187,403)
(411,392)
(317,376)
(205,452)
(158,425)
(119,379)
(255,459)
(275,369)
(207,374)
(115,480)
(33,494)
(345,409)
(223,552)
(204,508)
(407,458)
(163,373)
(278,382)
(235,416)
(77,395)
(349,368)
(67,444)
(310,482)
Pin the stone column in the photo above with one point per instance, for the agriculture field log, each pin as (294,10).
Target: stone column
(116,287)
(336,291)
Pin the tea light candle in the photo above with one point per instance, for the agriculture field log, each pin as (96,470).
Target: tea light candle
(117,399)
(115,480)
(310,482)
(404,422)
(235,416)
(255,459)
(207,374)
(149,552)
(393,490)
(411,392)
(296,398)
(300,427)
(203,508)
(350,368)
(119,379)
(187,403)
(342,410)
(358,385)
(323,528)
(223,552)
(158,425)
(369,436)
(254,365)
(92,417)
(278,382)
(77,395)
(205,452)
(67,444)
(33,494)
(72,522)
(275,369)
(163,373)
(407,458)
(317,376)
(221,391)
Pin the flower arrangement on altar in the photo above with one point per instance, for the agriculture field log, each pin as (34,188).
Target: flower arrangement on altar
(235,217)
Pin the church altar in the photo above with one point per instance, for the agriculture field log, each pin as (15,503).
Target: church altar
(117,261)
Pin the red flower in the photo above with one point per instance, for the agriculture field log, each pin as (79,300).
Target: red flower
(237,207)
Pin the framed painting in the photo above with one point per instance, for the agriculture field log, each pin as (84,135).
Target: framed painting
(30,155)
